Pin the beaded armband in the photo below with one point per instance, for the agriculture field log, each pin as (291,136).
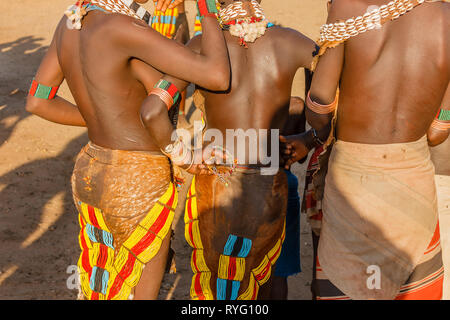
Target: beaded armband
(207,8)
(443,115)
(43,92)
(167,92)
(320,108)
(442,120)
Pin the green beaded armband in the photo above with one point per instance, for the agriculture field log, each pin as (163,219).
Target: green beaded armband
(42,92)
(443,115)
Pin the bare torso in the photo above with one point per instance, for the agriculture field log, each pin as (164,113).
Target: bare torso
(394,78)
(107,86)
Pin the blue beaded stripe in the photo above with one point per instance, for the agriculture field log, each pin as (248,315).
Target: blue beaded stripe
(99,236)
(235,285)
(223,284)
(92,7)
(164,19)
(229,246)
(104,274)
(221,289)
(229,289)
(246,247)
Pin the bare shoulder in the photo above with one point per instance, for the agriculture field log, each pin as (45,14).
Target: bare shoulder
(125,29)
(296,47)
(120,24)
(290,37)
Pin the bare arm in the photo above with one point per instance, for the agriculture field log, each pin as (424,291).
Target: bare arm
(58,109)
(324,86)
(436,137)
(154,110)
(325,81)
(209,68)
(301,48)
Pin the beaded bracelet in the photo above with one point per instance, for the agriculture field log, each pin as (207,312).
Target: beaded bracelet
(167,92)
(41,91)
(318,142)
(440,125)
(441,121)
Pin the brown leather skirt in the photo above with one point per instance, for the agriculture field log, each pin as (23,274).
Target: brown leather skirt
(236,233)
(126,201)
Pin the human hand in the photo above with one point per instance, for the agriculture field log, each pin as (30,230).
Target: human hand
(292,149)
(163,5)
(208,157)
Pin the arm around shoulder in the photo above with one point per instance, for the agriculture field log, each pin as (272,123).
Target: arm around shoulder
(208,68)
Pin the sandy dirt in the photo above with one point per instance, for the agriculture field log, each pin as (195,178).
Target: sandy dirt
(38,221)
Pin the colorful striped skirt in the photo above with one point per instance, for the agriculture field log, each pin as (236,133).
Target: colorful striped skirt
(126,202)
(236,233)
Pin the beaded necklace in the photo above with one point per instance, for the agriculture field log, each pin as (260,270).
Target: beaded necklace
(246,27)
(333,34)
(75,13)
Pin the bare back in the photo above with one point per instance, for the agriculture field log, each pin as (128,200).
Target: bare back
(261,81)
(107,85)
(394,79)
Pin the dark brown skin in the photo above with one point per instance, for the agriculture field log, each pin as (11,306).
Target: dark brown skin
(393,80)
(296,121)
(440,145)
(440,155)
(266,70)
(110,65)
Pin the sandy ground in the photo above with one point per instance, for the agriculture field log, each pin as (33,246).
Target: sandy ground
(38,221)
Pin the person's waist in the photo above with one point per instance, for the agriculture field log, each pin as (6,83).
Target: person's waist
(239,168)
(417,147)
(116,156)
(394,155)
